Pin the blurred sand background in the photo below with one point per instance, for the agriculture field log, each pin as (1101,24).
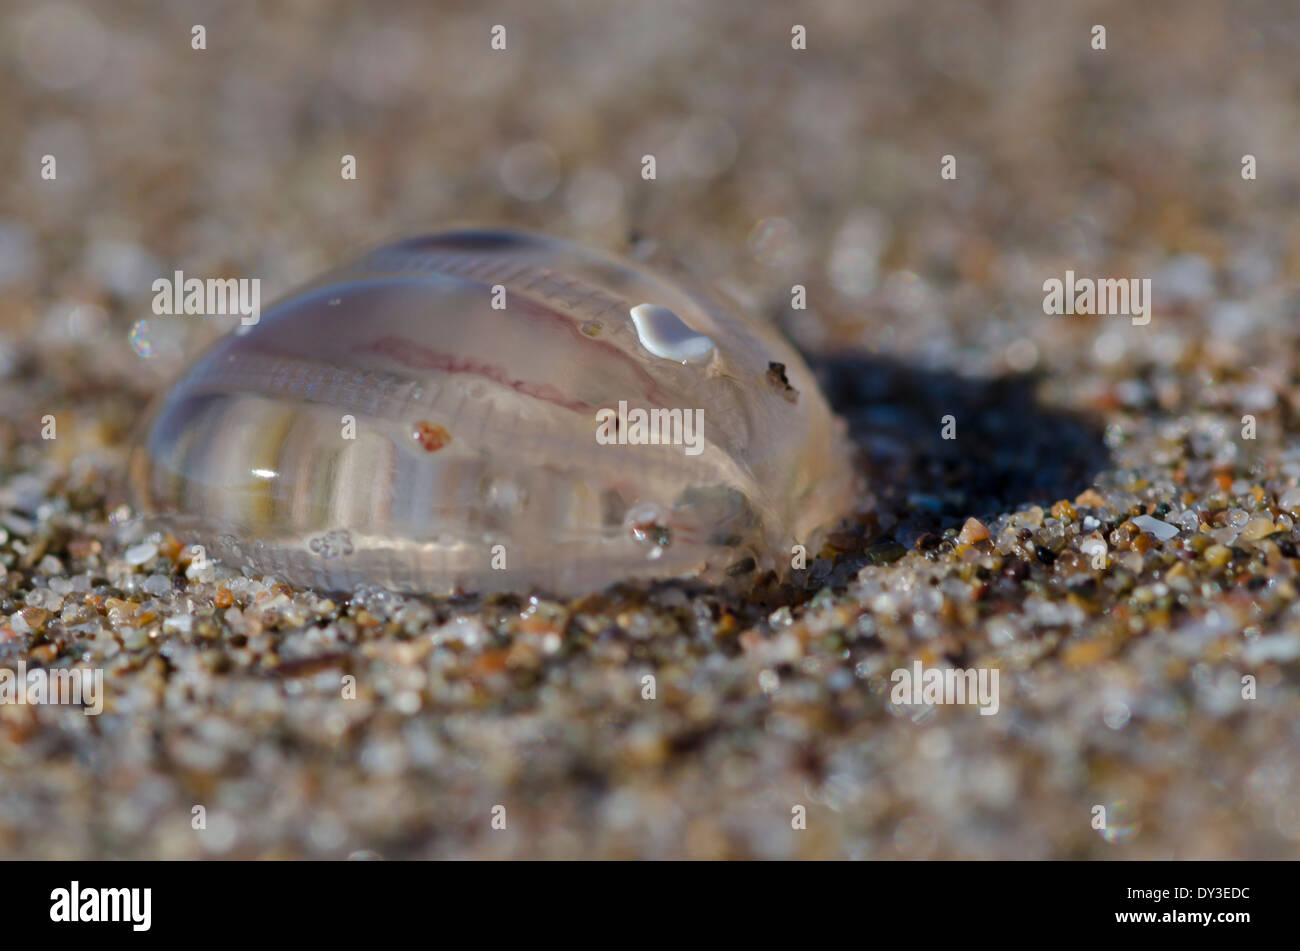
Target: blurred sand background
(774,167)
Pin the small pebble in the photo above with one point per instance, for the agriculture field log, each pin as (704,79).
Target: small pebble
(973,531)
(157,585)
(1161,530)
(1257,528)
(1217,555)
(140,554)
(1290,500)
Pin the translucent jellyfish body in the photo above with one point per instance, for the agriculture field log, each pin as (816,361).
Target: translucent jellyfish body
(492,411)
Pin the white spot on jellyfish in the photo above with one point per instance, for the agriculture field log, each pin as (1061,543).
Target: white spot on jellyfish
(663,334)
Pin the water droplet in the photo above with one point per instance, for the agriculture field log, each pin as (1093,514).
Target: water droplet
(663,334)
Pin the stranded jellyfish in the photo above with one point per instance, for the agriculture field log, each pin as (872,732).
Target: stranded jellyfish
(490,411)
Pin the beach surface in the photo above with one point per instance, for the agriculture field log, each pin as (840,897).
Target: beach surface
(1155,677)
